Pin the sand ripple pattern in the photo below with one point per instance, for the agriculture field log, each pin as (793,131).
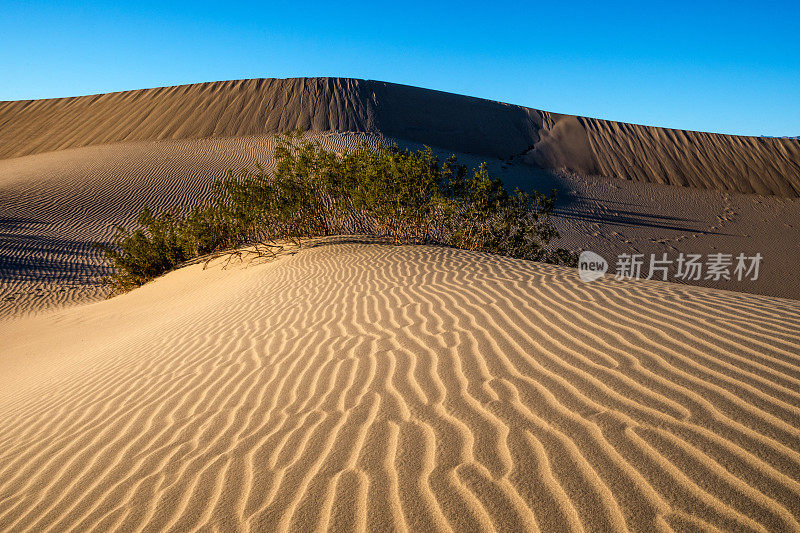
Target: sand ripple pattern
(54,206)
(364,387)
(453,122)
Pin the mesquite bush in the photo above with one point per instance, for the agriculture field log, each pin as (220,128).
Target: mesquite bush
(406,197)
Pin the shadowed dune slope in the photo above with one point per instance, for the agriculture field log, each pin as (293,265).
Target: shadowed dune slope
(368,387)
(448,121)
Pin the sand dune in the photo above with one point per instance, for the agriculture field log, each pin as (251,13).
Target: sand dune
(54,205)
(71,169)
(369,387)
(449,121)
(359,386)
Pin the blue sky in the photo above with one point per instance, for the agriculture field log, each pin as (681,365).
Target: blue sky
(730,67)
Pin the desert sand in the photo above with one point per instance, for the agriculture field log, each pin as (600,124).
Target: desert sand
(354,385)
(369,387)
(73,168)
(449,121)
(54,205)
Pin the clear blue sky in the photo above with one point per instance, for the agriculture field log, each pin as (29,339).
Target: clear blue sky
(731,67)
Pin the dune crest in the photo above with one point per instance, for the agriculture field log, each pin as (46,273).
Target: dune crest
(769,166)
(370,387)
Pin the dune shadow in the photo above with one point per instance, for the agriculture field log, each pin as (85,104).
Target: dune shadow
(30,257)
(634,219)
(575,206)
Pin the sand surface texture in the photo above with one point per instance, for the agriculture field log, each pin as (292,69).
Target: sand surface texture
(71,169)
(449,121)
(359,386)
(54,205)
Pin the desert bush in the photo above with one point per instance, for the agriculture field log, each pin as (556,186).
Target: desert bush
(407,197)
(159,245)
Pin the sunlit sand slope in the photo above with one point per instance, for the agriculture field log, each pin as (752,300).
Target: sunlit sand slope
(449,121)
(369,387)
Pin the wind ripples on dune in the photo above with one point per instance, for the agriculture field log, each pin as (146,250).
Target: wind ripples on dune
(370,387)
(54,206)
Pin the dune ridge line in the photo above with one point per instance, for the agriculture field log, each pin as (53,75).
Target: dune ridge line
(769,166)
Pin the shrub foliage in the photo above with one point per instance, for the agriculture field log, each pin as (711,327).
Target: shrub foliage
(408,197)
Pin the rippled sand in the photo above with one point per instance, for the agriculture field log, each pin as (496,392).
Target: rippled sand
(360,386)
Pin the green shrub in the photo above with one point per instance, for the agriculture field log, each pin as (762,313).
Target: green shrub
(405,196)
(139,256)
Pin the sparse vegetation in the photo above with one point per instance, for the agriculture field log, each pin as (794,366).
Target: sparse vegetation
(408,197)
